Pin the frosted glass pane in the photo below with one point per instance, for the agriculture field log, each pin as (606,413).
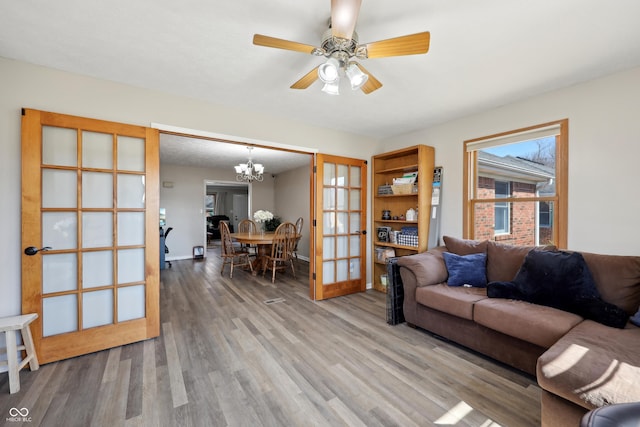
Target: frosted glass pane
(354,226)
(131,303)
(97,269)
(354,200)
(328,272)
(97,308)
(59,272)
(329,199)
(97,150)
(130,228)
(343,175)
(59,189)
(329,222)
(342,225)
(130,191)
(329,174)
(342,199)
(354,248)
(354,269)
(356,177)
(97,190)
(343,246)
(59,146)
(130,265)
(59,315)
(60,230)
(343,270)
(328,247)
(130,153)
(97,229)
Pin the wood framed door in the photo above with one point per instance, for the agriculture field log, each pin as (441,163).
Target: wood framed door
(90,218)
(340,232)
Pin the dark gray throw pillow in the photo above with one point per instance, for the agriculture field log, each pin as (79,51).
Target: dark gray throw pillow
(466,269)
(561,280)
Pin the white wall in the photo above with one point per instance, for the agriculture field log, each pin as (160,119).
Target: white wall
(604,154)
(29,86)
(292,194)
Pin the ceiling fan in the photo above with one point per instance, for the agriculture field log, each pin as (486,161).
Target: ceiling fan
(340,47)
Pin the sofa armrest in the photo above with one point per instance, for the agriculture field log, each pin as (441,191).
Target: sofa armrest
(424,269)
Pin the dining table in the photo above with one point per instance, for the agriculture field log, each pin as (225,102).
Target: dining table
(262,240)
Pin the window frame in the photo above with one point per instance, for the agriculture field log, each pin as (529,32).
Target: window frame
(504,207)
(559,216)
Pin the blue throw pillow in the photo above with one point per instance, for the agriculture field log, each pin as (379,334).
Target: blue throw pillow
(466,269)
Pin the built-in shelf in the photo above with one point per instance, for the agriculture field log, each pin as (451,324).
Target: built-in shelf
(391,165)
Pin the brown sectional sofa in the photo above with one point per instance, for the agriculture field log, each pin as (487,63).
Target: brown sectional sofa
(580,364)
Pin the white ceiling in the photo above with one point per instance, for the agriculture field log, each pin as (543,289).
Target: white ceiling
(205,153)
(483,53)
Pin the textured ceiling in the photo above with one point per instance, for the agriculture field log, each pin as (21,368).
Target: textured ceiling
(483,53)
(204,153)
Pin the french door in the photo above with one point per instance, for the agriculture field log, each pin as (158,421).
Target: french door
(90,266)
(340,232)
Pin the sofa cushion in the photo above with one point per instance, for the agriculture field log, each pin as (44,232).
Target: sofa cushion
(427,267)
(504,261)
(593,365)
(466,269)
(457,301)
(464,246)
(532,323)
(561,280)
(617,278)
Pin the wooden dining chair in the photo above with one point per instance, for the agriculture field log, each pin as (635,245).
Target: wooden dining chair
(248,226)
(230,253)
(281,254)
(299,223)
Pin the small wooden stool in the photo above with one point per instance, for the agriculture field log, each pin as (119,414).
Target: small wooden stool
(10,325)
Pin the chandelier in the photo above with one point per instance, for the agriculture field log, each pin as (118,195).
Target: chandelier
(249,171)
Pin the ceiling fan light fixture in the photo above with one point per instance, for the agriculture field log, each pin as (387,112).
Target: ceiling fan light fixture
(328,72)
(332,88)
(356,76)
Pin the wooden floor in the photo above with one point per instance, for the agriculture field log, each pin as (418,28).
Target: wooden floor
(244,352)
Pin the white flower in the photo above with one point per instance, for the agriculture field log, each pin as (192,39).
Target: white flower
(262,216)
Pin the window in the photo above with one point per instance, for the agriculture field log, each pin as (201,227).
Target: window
(515,186)
(502,215)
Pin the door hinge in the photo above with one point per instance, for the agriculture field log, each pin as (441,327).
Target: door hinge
(314,222)
(314,276)
(366,162)
(315,169)
(24,112)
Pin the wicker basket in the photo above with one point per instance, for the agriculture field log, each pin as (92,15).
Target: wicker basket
(402,188)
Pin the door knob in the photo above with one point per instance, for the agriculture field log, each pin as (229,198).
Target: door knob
(32,250)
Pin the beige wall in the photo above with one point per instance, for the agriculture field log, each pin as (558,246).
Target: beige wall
(292,195)
(604,150)
(29,86)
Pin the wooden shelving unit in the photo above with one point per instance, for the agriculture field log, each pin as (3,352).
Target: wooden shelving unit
(395,164)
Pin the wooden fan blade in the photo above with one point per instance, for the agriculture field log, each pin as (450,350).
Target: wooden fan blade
(371,84)
(344,15)
(412,44)
(307,80)
(260,40)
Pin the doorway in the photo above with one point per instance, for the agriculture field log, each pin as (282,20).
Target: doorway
(291,171)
